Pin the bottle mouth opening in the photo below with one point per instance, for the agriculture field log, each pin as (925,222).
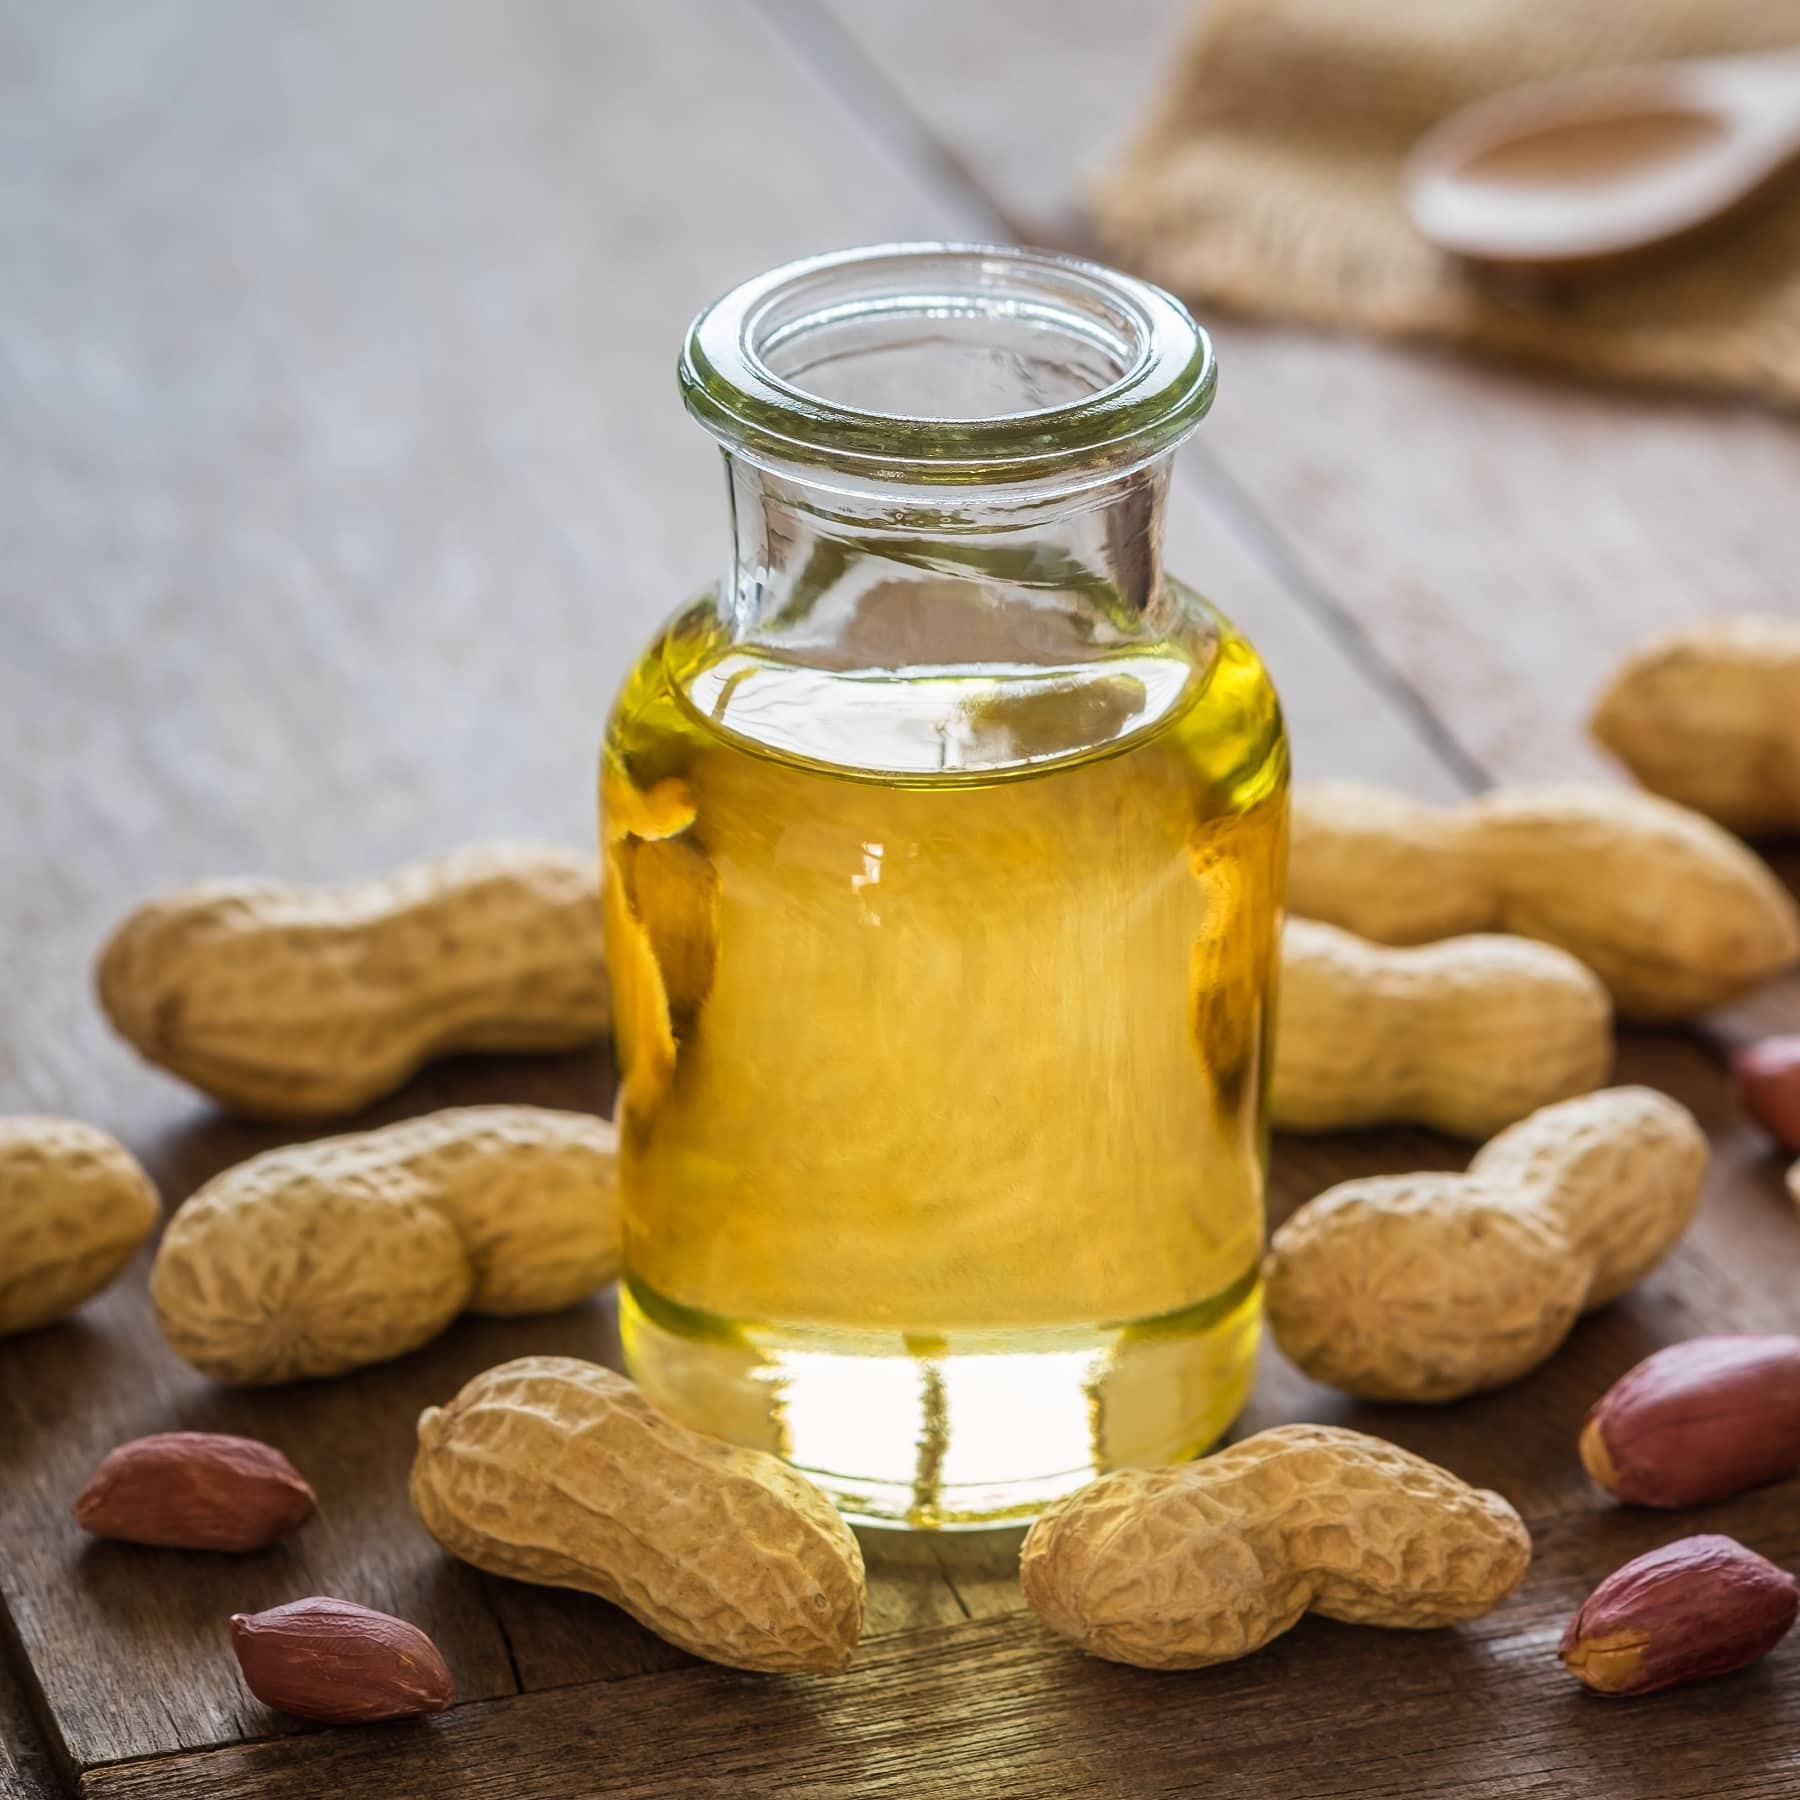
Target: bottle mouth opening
(948,364)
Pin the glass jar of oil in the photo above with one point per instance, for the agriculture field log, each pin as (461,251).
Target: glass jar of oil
(944,847)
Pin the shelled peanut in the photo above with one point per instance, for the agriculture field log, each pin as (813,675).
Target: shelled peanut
(1700,1607)
(1671,912)
(321,1257)
(289,1002)
(1709,715)
(195,1490)
(1468,1034)
(1183,1567)
(74,1208)
(1431,1286)
(339,1663)
(1698,1422)
(552,1470)
(1767,1076)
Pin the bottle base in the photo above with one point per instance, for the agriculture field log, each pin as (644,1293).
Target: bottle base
(952,1431)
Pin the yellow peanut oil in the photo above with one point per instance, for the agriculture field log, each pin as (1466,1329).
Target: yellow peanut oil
(942,1000)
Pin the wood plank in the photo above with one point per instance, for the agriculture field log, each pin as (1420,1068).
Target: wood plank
(1025,101)
(301,498)
(1564,531)
(1737,1269)
(1439,505)
(292,501)
(266,523)
(27,1769)
(288,500)
(1515,536)
(1327,1711)
(1510,540)
(103,1623)
(1021,159)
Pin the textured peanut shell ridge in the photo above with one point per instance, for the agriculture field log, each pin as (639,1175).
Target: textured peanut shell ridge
(74,1207)
(261,1278)
(533,1193)
(1427,1287)
(1383,866)
(551,1470)
(1618,1172)
(1420,1287)
(1709,716)
(1184,1567)
(289,1002)
(1468,1034)
(317,1258)
(1673,914)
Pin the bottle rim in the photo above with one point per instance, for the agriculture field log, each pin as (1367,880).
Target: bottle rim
(738,379)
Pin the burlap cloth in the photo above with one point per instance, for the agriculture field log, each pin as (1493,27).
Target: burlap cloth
(1268,182)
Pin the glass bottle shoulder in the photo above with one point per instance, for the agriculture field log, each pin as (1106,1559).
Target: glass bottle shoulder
(1196,682)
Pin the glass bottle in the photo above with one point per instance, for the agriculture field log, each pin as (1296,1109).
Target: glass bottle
(944,847)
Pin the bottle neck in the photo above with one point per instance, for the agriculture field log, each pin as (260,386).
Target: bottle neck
(852,576)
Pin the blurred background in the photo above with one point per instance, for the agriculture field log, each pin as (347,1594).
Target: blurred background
(345,474)
(347,468)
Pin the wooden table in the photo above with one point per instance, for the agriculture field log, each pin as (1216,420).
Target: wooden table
(345,472)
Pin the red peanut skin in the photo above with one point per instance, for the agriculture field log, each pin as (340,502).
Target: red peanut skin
(339,1663)
(1702,1606)
(195,1490)
(1698,1422)
(1768,1084)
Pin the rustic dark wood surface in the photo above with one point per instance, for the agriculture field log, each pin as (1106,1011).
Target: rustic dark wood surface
(345,472)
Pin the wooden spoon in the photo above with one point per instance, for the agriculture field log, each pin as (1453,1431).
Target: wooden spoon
(1572,175)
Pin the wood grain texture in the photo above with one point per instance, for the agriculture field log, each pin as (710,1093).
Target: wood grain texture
(301,418)
(1494,543)
(1017,104)
(1000,1706)
(348,475)
(1433,505)
(27,1769)
(1025,101)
